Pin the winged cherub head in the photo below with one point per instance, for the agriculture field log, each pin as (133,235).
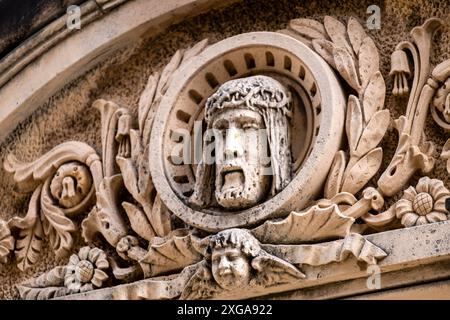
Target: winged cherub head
(235,259)
(231,253)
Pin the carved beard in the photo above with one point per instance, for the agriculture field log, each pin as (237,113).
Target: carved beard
(240,185)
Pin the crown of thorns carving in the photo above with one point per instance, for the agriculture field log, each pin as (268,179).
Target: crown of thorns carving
(256,93)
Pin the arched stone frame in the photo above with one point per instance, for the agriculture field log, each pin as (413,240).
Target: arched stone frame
(324,90)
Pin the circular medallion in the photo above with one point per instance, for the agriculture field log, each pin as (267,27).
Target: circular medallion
(315,124)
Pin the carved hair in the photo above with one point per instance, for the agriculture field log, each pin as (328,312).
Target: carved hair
(257,93)
(272,101)
(235,238)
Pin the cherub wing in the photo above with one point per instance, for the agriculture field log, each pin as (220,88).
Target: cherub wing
(201,285)
(272,270)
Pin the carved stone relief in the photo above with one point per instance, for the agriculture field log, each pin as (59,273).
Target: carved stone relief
(246,163)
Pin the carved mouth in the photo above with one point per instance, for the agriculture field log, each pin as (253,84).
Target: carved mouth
(232,178)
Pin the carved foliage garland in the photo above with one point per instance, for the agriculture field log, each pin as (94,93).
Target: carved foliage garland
(117,195)
(354,55)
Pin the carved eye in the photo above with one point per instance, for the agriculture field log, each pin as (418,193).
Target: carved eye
(249,125)
(105,225)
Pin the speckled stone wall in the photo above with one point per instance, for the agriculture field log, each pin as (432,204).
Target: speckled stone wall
(69,116)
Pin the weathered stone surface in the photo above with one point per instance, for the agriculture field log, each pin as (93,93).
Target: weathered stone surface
(310,208)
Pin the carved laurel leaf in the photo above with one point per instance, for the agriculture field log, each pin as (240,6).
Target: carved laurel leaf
(373,132)
(325,49)
(345,65)
(353,122)
(314,224)
(160,218)
(338,33)
(195,50)
(46,286)
(56,226)
(139,222)
(174,252)
(167,73)
(374,95)
(336,175)
(146,99)
(362,171)
(356,33)
(145,183)
(369,61)
(308,28)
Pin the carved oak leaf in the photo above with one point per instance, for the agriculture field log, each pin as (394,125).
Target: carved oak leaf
(336,175)
(172,253)
(363,170)
(356,34)
(314,224)
(46,286)
(272,271)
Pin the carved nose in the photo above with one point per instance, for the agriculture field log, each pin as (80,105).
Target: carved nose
(224,266)
(447,104)
(68,188)
(233,144)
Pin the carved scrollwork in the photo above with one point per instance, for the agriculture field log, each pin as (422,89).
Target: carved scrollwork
(64,182)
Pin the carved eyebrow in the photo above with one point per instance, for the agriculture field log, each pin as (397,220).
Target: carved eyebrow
(220,123)
(250,119)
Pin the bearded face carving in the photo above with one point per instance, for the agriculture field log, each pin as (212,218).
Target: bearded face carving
(250,118)
(240,180)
